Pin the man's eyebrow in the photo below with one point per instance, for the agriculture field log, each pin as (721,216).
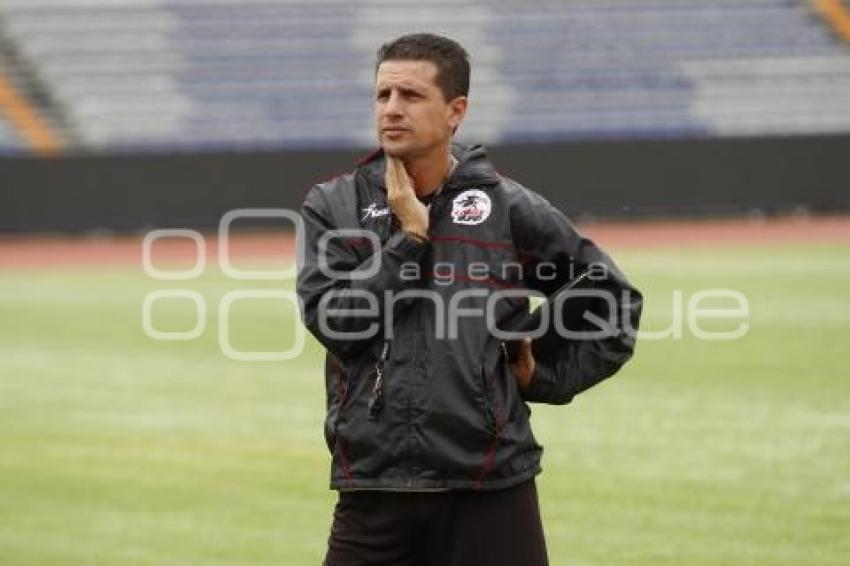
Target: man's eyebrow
(402,87)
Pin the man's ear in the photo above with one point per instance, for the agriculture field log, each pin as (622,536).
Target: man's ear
(457,111)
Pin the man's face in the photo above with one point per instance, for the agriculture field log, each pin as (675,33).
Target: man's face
(411,115)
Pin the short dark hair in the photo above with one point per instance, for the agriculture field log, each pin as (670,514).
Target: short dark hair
(449,56)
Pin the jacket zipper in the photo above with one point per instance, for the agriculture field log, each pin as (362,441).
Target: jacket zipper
(488,401)
(504,348)
(488,407)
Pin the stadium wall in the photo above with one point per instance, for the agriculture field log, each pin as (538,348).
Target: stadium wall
(624,179)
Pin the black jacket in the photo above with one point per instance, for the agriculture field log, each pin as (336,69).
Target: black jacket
(408,407)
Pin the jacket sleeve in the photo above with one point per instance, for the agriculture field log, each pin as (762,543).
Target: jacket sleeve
(543,235)
(354,303)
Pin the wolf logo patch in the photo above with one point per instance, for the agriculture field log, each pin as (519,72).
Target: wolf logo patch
(471,207)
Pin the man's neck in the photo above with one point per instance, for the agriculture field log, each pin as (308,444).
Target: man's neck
(429,173)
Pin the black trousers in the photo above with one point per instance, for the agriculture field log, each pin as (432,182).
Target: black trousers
(452,528)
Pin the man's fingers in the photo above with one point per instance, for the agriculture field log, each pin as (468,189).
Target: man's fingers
(395,180)
(412,214)
(524,365)
(403,177)
(391,177)
(398,181)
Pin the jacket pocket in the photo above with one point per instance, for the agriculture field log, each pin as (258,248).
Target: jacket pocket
(513,404)
(505,395)
(511,387)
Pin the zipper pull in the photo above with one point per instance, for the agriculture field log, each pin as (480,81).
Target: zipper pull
(376,403)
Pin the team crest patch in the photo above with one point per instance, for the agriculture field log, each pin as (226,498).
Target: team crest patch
(471,207)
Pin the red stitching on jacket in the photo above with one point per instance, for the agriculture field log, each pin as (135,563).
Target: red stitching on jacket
(474,242)
(491,452)
(457,278)
(488,461)
(369,156)
(521,256)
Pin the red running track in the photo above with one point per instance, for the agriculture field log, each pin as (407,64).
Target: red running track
(55,251)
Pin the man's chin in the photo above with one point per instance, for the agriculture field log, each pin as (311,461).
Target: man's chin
(396,149)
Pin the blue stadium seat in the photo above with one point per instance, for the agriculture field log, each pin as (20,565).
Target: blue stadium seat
(147,75)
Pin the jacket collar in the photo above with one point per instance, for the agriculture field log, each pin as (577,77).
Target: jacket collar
(473,167)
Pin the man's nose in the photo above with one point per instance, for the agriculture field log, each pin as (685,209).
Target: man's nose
(393,105)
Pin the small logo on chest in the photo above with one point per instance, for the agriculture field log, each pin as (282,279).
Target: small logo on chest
(471,207)
(373,211)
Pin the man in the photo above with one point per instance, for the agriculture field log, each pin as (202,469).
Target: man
(427,417)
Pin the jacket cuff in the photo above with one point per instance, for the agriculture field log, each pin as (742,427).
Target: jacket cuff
(540,385)
(543,387)
(406,246)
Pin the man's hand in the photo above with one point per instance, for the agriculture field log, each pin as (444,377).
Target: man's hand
(523,367)
(412,214)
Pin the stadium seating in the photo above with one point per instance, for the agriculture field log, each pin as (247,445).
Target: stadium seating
(9,141)
(146,75)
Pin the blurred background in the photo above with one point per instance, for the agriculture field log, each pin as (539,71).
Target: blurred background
(173,112)
(704,143)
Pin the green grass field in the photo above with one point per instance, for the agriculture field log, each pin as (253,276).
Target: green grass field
(118,449)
